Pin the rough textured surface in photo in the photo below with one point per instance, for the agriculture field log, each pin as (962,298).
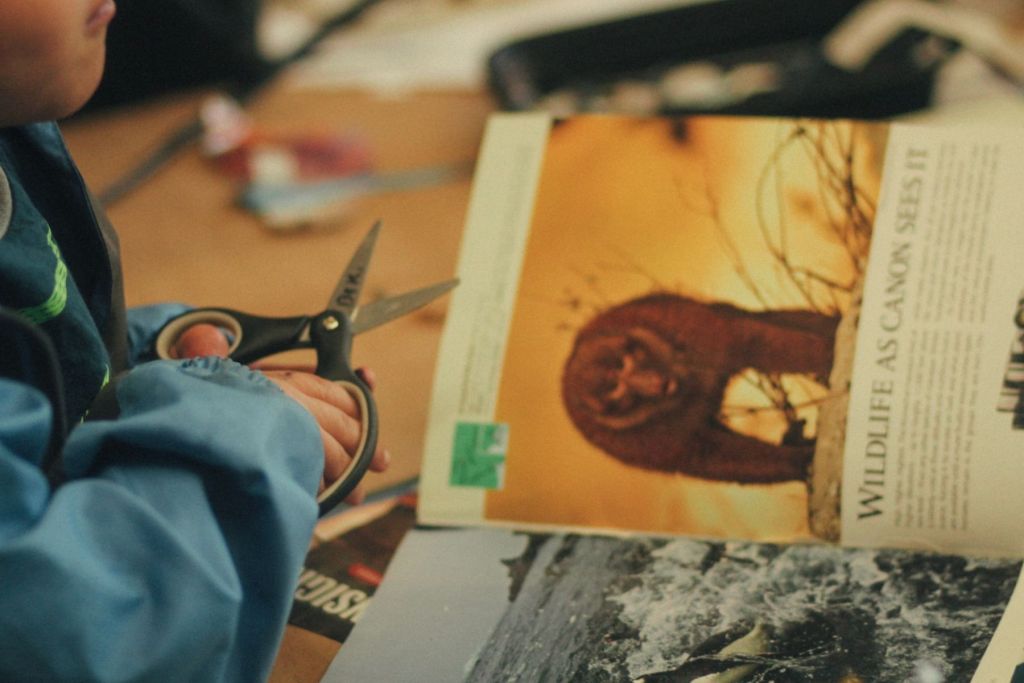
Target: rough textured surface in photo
(601,609)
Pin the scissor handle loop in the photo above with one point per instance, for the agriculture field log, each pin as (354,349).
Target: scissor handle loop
(221,318)
(341,487)
(252,337)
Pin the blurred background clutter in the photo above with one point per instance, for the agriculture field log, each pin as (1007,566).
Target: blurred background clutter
(822,58)
(811,57)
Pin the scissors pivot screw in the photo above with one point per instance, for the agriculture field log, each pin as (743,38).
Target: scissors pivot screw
(331,323)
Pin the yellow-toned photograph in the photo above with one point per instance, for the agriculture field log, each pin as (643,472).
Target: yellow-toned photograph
(675,330)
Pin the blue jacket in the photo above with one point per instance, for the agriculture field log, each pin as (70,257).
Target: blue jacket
(170,549)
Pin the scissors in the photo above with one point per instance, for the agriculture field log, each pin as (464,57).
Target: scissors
(329,333)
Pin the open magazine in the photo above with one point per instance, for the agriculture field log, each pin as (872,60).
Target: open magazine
(774,357)
(739,328)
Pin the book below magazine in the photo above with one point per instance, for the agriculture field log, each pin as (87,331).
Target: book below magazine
(483,605)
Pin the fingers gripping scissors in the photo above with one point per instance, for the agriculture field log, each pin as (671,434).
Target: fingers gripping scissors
(330,334)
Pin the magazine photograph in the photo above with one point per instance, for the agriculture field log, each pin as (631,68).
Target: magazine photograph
(673,332)
(734,328)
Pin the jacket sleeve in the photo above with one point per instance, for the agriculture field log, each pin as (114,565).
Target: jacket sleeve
(172,550)
(143,324)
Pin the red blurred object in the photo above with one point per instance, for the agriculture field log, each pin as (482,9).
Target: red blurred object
(365,574)
(245,152)
(266,157)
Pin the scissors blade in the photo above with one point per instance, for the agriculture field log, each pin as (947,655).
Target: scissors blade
(379,312)
(346,293)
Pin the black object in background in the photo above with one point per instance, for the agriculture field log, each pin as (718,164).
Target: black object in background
(587,63)
(158,46)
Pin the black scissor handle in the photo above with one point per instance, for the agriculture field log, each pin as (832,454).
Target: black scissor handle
(330,333)
(251,337)
(340,488)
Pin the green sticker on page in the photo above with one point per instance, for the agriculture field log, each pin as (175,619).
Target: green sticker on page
(478,455)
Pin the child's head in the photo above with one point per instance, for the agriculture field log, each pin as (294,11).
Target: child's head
(51,56)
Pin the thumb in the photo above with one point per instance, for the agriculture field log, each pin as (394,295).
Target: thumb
(202,339)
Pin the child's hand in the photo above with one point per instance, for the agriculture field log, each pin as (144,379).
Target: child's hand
(335,410)
(337,414)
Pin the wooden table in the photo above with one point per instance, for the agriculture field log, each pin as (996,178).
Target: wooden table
(183,238)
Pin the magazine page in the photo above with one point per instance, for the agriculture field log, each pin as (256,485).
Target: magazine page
(935,433)
(341,573)
(493,604)
(444,591)
(472,349)
(654,315)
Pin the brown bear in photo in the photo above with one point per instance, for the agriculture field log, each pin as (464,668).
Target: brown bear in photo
(646,379)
